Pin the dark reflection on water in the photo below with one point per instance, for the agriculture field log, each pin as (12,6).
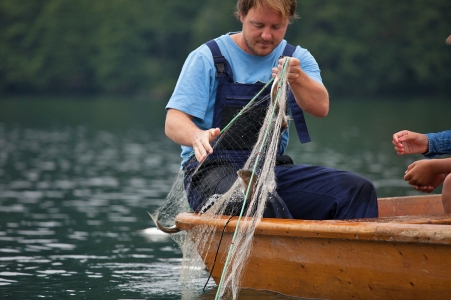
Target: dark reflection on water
(74,197)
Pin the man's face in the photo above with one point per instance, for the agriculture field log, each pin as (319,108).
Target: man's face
(263,30)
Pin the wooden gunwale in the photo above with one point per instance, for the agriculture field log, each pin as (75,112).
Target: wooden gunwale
(418,229)
(375,231)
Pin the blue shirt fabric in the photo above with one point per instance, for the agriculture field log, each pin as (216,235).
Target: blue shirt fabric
(195,91)
(439,143)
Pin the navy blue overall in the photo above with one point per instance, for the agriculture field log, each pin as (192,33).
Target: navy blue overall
(308,192)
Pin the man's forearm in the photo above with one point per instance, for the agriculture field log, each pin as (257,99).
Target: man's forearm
(180,128)
(310,95)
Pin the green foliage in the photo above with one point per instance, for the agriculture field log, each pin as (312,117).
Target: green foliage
(380,46)
(129,47)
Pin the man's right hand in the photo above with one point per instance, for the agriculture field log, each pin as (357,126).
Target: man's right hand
(180,128)
(201,143)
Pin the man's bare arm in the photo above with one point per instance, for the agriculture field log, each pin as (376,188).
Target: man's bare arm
(310,95)
(180,128)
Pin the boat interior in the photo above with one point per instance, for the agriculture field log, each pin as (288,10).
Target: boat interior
(426,209)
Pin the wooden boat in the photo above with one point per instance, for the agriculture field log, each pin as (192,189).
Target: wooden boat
(403,254)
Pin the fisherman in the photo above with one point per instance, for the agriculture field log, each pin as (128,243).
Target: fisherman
(229,71)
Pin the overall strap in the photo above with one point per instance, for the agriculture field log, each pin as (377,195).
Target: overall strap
(224,74)
(223,70)
(296,111)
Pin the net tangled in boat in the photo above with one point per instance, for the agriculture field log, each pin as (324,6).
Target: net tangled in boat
(223,185)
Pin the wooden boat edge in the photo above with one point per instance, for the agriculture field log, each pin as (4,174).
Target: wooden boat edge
(434,228)
(391,257)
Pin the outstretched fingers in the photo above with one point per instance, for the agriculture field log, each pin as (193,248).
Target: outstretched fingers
(201,144)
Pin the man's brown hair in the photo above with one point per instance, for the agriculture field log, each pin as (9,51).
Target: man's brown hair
(286,7)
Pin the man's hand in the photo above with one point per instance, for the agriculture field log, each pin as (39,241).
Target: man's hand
(294,68)
(310,95)
(201,143)
(180,128)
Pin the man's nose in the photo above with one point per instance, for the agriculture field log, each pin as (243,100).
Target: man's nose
(266,33)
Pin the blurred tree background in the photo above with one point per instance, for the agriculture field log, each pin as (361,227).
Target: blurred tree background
(137,47)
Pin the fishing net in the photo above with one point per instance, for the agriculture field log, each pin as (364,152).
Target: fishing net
(221,191)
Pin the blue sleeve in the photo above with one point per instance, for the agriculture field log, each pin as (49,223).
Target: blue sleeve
(192,92)
(439,143)
(308,64)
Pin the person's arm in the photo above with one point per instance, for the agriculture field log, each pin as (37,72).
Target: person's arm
(426,174)
(310,95)
(429,144)
(180,128)
(439,143)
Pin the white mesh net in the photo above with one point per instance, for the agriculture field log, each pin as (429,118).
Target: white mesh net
(246,202)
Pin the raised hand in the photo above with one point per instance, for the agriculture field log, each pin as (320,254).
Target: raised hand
(409,142)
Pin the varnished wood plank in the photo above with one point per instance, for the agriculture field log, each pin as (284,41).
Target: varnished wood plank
(411,205)
(403,254)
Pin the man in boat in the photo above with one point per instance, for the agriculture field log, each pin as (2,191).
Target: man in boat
(229,71)
(427,174)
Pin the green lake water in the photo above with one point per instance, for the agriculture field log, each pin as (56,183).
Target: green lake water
(77,177)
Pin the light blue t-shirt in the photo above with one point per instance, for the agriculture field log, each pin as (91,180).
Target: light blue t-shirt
(195,91)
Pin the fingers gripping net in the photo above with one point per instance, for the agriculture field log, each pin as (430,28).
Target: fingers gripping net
(223,192)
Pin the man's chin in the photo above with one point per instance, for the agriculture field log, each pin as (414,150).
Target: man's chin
(263,51)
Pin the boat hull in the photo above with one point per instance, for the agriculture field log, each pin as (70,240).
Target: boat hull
(392,257)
